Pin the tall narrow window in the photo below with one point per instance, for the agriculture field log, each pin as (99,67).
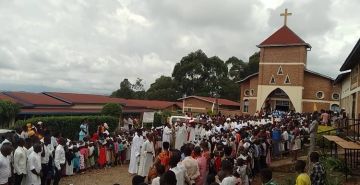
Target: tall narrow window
(246,106)
(287,80)
(280,71)
(272,80)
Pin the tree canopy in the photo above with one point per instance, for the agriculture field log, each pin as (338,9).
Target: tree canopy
(8,111)
(195,74)
(112,109)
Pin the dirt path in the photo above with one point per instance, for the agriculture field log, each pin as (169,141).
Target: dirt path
(106,176)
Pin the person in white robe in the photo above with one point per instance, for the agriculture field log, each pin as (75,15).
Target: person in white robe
(167,133)
(181,136)
(146,156)
(135,152)
(34,166)
(191,132)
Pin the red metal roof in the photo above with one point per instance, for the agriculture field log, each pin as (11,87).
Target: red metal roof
(74,98)
(150,104)
(284,37)
(221,101)
(7,98)
(58,111)
(35,99)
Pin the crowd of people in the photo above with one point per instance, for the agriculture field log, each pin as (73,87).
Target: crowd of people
(228,150)
(203,150)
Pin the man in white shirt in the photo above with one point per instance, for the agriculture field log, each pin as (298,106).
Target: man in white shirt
(178,168)
(34,166)
(167,133)
(5,170)
(20,162)
(47,149)
(191,165)
(59,160)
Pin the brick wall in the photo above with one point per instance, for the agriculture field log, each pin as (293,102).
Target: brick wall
(295,73)
(294,54)
(309,106)
(314,83)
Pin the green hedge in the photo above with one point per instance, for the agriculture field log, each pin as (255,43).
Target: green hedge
(69,126)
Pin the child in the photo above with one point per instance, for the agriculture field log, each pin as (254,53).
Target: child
(109,152)
(84,153)
(317,175)
(296,144)
(116,151)
(91,159)
(76,159)
(120,152)
(302,178)
(69,156)
(102,153)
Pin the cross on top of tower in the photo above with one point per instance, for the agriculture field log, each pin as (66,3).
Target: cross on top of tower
(285,14)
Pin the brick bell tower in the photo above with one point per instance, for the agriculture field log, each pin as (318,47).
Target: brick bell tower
(283,58)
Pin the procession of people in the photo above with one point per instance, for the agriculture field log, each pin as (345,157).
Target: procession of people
(205,149)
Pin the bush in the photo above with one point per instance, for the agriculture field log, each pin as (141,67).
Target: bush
(112,109)
(69,126)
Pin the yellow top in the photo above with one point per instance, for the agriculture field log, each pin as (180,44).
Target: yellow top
(303,179)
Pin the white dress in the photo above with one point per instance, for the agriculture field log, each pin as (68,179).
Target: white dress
(167,134)
(180,138)
(135,153)
(33,163)
(146,158)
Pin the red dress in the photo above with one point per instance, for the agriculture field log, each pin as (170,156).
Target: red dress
(102,156)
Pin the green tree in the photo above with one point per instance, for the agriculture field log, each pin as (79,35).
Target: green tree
(8,112)
(236,68)
(164,88)
(196,74)
(130,91)
(253,65)
(112,109)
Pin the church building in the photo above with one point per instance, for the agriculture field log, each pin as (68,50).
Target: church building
(283,81)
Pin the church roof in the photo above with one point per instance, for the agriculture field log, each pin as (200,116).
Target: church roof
(353,58)
(248,77)
(283,37)
(319,74)
(341,77)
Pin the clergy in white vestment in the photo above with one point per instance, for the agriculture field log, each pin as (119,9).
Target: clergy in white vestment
(34,166)
(146,156)
(191,132)
(181,135)
(135,152)
(167,133)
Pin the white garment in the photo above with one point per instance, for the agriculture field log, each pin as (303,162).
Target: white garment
(191,131)
(28,151)
(167,134)
(180,173)
(135,153)
(231,180)
(180,137)
(155,181)
(146,158)
(20,160)
(54,142)
(5,172)
(34,163)
(69,168)
(59,156)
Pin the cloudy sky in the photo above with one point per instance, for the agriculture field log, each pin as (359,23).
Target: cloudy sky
(91,45)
